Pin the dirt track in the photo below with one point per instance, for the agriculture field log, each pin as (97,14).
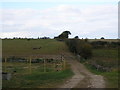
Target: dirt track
(82,78)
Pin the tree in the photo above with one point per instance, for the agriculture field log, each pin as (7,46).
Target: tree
(80,47)
(102,38)
(72,43)
(86,51)
(76,37)
(86,39)
(63,35)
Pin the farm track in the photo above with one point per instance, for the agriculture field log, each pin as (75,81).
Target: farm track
(82,77)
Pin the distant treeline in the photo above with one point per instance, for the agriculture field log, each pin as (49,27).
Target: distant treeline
(29,38)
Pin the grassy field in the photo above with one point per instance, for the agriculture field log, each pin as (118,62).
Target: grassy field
(108,40)
(107,58)
(37,78)
(33,76)
(104,56)
(25,47)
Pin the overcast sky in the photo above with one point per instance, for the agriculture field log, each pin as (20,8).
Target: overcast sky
(83,18)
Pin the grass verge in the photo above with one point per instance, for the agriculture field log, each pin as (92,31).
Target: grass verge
(107,58)
(111,78)
(37,79)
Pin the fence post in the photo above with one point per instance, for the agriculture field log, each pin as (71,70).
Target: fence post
(54,64)
(27,60)
(44,66)
(5,64)
(64,63)
(30,64)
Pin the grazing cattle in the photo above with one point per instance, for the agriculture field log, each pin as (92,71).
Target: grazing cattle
(34,48)
(37,48)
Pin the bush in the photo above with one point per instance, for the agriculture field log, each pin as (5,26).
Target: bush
(80,47)
(86,51)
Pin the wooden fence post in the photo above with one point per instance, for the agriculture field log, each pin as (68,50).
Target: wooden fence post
(54,66)
(64,63)
(27,60)
(30,64)
(44,65)
(5,64)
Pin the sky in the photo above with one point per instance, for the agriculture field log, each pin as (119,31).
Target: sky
(38,18)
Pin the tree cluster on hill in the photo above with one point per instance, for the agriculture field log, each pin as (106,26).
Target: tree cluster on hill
(76,37)
(63,35)
(76,46)
(44,38)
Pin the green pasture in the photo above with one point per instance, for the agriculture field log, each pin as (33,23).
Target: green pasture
(107,40)
(106,57)
(34,75)
(25,47)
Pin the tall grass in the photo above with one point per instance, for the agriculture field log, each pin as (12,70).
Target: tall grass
(38,79)
(107,58)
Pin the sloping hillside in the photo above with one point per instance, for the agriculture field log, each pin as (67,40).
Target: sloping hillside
(32,47)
